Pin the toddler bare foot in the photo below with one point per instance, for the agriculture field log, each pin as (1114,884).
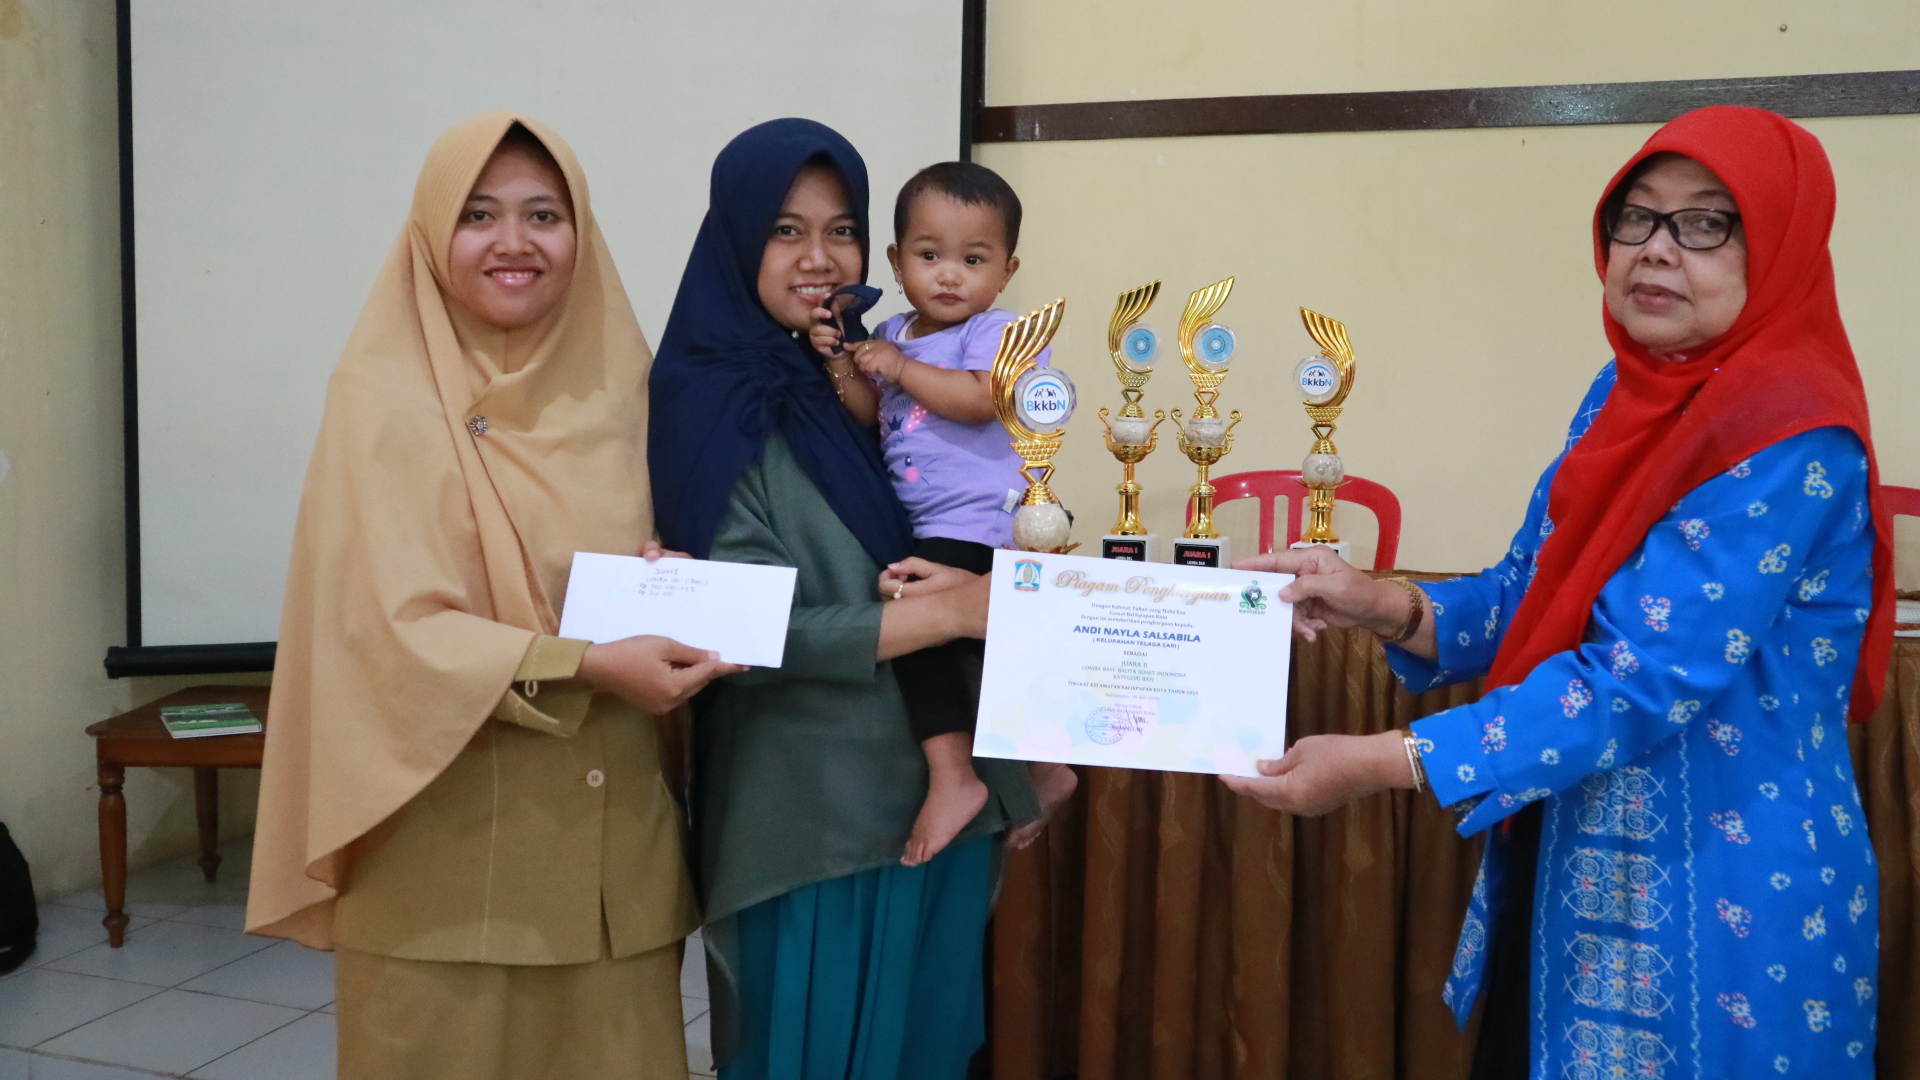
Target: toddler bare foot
(954,797)
(948,809)
(1054,785)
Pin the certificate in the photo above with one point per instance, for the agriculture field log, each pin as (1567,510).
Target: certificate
(739,610)
(1134,665)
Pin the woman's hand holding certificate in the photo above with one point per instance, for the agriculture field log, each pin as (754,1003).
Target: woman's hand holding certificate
(1324,772)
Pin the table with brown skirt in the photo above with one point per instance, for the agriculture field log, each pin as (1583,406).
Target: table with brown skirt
(1164,928)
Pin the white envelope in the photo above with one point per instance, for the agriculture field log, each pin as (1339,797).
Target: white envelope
(737,609)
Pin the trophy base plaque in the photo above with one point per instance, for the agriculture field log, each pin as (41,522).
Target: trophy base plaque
(1192,551)
(1339,547)
(1132,548)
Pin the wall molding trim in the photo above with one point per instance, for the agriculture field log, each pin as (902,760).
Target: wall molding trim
(1860,93)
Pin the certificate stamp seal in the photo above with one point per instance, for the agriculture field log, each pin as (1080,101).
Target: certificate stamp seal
(1105,728)
(1131,714)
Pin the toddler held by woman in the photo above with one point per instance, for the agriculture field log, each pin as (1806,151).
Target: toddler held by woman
(955,228)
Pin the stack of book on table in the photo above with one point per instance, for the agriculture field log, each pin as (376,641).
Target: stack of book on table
(200,721)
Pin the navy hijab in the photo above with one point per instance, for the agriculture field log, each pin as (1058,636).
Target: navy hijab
(727,375)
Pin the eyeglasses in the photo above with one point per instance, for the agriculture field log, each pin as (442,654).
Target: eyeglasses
(1692,228)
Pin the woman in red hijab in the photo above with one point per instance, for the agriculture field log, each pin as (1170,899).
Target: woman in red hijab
(1679,881)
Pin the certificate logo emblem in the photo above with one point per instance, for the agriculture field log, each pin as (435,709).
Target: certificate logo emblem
(1026,576)
(1253,600)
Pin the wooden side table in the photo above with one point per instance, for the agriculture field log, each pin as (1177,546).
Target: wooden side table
(138,739)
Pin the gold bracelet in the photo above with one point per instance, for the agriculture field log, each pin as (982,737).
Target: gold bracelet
(1417,598)
(836,376)
(1413,762)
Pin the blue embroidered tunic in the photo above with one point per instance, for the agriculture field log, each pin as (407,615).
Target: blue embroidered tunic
(1706,900)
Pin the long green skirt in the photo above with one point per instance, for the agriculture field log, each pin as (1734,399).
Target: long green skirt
(872,976)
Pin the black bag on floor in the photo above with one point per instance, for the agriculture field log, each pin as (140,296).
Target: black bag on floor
(19,918)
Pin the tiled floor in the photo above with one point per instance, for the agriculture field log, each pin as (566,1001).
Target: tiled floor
(189,995)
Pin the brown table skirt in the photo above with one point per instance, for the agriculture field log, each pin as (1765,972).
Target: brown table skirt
(1160,927)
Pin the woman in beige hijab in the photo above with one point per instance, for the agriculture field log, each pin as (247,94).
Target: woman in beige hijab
(468,809)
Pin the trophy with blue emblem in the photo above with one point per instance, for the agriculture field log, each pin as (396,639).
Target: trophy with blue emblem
(1034,404)
(1206,437)
(1324,380)
(1130,437)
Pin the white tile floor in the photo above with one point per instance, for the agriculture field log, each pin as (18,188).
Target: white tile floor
(189,995)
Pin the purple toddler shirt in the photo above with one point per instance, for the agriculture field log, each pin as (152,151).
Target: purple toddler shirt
(960,481)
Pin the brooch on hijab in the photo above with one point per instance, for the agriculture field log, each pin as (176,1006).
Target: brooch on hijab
(477,425)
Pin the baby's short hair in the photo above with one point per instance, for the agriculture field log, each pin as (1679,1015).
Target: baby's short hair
(964,182)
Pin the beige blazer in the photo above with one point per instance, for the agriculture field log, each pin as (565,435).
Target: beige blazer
(549,819)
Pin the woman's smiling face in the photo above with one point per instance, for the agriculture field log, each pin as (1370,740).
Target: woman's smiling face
(1667,297)
(513,251)
(813,250)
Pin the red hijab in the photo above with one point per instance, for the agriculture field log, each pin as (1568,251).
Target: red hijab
(1670,425)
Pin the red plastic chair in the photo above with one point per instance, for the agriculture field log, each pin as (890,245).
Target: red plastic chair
(1270,484)
(1901,500)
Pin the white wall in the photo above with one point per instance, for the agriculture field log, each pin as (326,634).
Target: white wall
(275,151)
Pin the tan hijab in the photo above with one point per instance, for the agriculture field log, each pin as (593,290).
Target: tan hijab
(458,469)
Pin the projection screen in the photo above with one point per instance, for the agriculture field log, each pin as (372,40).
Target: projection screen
(274,149)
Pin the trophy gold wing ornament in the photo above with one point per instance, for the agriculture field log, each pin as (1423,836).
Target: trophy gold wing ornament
(1133,350)
(1207,349)
(1324,380)
(1130,438)
(1034,405)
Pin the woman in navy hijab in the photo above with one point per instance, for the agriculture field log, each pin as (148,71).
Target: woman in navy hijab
(824,952)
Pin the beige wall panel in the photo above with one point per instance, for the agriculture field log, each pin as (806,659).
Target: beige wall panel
(1106,50)
(61,546)
(1462,265)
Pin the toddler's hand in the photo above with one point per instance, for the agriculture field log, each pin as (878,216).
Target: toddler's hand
(824,336)
(880,359)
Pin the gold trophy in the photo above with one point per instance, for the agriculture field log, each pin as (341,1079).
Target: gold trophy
(1324,380)
(1034,405)
(1205,438)
(1129,437)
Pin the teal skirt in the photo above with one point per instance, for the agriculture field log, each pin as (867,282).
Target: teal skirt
(872,976)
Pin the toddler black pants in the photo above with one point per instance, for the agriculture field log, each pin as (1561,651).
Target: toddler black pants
(941,685)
